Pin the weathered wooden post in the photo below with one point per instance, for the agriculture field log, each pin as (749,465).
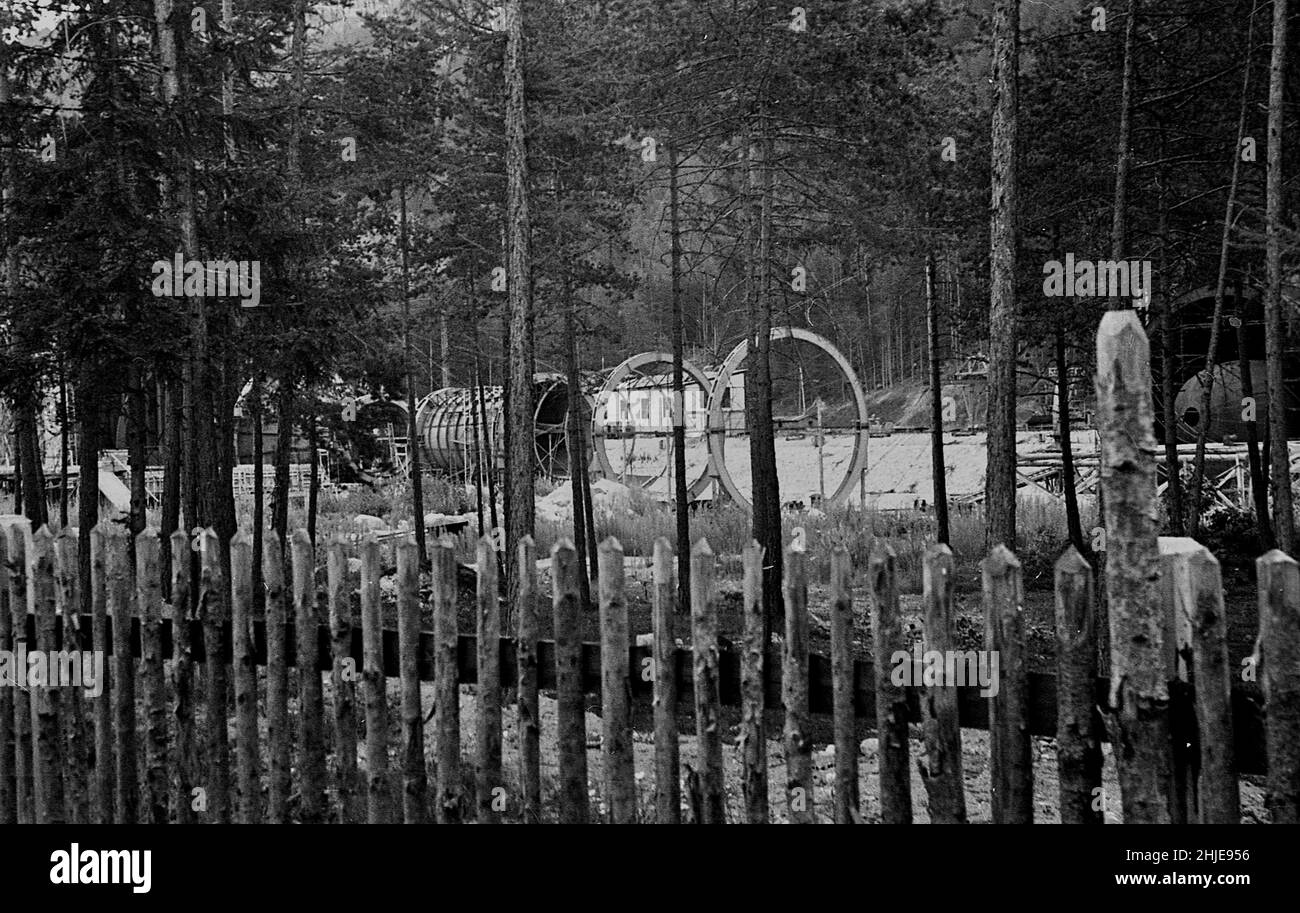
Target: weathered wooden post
(530,727)
(450,806)
(891,700)
(487,769)
(343,678)
(247,752)
(415,777)
(1010,749)
(148,590)
(1218,793)
(752,740)
(8,786)
(668,787)
(76,760)
(794,688)
(379,806)
(47,747)
(942,769)
(277,680)
(843,687)
(615,688)
(1139,701)
(16,531)
(118,572)
(1279,641)
(571,723)
(182,672)
(1078,735)
(311,708)
(101,639)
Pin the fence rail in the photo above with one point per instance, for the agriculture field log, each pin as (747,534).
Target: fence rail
(194,720)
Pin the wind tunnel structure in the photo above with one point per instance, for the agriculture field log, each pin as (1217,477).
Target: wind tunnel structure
(456,427)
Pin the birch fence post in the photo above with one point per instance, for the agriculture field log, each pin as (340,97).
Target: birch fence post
(941,771)
(450,805)
(311,710)
(1279,625)
(488,690)
(247,751)
(415,778)
(213,612)
(379,807)
(615,688)
(8,748)
(530,727)
(182,672)
(1218,793)
(16,532)
(105,771)
(794,687)
(1139,715)
(1078,736)
(148,592)
(668,787)
(843,682)
(118,571)
(1011,762)
(76,761)
(47,760)
(342,679)
(752,740)
(569,710)
(277,680)
(891,699)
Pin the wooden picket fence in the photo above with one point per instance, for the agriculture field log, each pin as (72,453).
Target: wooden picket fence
(156,746)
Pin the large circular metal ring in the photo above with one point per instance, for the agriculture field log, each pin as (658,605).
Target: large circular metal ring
(616,377)
(717,429)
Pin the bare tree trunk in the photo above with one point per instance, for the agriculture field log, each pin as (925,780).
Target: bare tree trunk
(256,412)
(63,447)
(520,457)
(1123,154)
(680,493)
(1220,286)
(765,486)
(200,450)
(313,487)
(173,422)
(939,470)
(1173,466)
(577,452)
(283,453)
(1072,522)
(412,434)
(137,430)
(1283,512)
(29,459)
(1258,485)
(1000,481)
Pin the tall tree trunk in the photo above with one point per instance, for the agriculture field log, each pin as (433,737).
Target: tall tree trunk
(257,412)
(1220,287)
(173,422)
(87,383)
(1073,523)
(29,458)
(1000,481)
(412,434)
(63,446)
(137,432)
(1258,484)
(938,469)
(520,456)
(1169,417)
(283,453)
(200,449)
(765,486)
(680,493)
(1123,154)
(1283,513)
(313,485)
(577,453)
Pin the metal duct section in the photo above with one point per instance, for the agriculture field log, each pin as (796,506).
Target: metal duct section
(449,420)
